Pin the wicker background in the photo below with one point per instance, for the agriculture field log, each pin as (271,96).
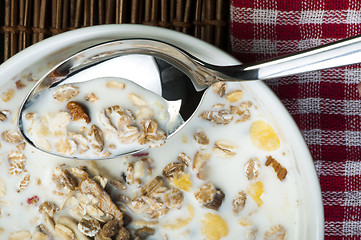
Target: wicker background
(25,22)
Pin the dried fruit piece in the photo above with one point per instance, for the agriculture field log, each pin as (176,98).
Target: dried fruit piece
(224,149)
(276,233)
(2,188)
(89,227)
(199,164)
(172,169)
(96,138)
(209,196)
(218,115)
(180,222)
(11,136)
(48,208)
(182,181)
(137,101)
(91,97)
(239,202)
(16,162)
(214,227)
(21,235)
(65,93)
(281,171)
(115,84)
(19,84)
(33,200)
(219,88)
(255,190)
(173,198)
(24,183)
(234,96)
(252,167)
(201,138)
(8,95)
(263,136)
(184,159)
(78,111)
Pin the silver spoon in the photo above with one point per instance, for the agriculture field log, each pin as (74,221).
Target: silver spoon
(179,70)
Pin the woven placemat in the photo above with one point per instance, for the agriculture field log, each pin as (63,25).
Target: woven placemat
(25,22)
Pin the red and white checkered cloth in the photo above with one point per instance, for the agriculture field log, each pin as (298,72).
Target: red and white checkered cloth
(325,104)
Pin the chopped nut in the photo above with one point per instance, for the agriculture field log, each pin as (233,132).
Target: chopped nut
(201,138)
(144,232)
(275,233)
(128,134)
(105,203)
(152,186)
(91,97)
(64,179)
(239,202)
(184,159)
(234,96)
(96,138)
(263,136)
(66,146)
(172,169)
(252,167)
(137,101)
(214,227)
(209,196)
(78,111)
(173,198)
(48,208)
(8,95)
(11,136)
(40,236)
(199,164)
(89,227)
(115,84)
(65,93)
(22,235)
(2,188)
(224,149)
(123,234)
(110,228)
(24,183)
(64,232)
(281,171)
(218,115)
(219,88)
(17,162)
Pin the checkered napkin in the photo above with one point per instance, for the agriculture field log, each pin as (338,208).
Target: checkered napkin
(325,104)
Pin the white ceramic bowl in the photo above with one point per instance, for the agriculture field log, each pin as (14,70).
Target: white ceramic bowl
(40,57)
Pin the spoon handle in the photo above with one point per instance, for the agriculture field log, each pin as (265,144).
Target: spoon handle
(340,53)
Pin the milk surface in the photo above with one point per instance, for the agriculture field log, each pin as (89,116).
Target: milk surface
(280,198)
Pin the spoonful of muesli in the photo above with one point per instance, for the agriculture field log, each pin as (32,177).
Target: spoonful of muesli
(80,110)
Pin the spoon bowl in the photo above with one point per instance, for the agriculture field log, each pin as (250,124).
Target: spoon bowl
(183,77)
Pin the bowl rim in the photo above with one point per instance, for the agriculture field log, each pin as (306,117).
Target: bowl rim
(200,49)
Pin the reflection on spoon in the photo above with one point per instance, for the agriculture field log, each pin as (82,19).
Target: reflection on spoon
(106,117)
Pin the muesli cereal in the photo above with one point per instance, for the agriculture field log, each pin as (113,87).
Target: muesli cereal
(226,175)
